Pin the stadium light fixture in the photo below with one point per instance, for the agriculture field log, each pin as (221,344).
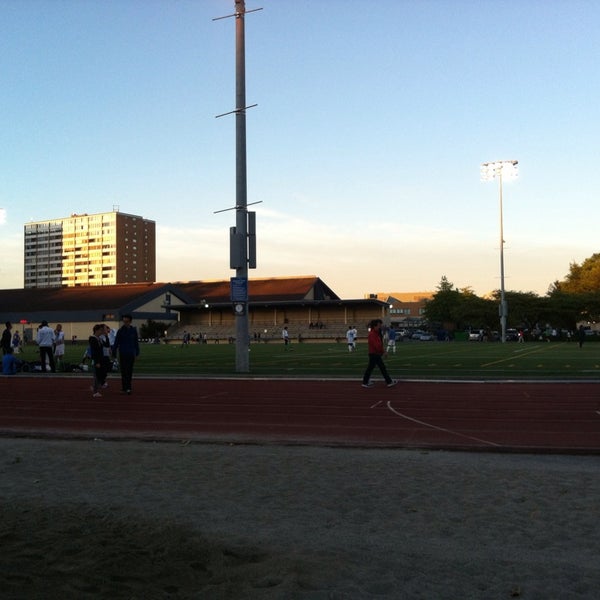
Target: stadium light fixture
(502,170)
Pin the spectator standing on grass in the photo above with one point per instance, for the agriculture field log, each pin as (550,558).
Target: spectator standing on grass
(185,341)
(16,342)
(6,338)
(128,348)
(350,335)
(59,345)
(581,335)
(391,345)
(376,354)
(45,341)
(285,336)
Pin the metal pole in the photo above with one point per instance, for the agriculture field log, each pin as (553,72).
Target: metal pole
(492,170)
(503,307)
(242,358)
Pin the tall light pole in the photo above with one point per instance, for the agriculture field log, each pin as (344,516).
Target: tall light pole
(242,237)
(242,360)
(500,170)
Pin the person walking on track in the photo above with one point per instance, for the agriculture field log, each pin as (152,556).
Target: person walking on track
(376,354)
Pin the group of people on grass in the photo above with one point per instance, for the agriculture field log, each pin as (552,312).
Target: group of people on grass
(51,344)
(104,345)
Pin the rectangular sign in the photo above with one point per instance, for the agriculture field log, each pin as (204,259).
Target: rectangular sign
(239,289)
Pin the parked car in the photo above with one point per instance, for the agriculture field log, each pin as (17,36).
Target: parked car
(476,335)
(423,336)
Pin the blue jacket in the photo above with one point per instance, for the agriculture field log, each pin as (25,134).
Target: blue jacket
(126,341)
(9,364)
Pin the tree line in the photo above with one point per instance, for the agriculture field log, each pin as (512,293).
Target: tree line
(567,303)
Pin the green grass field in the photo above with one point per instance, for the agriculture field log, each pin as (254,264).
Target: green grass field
(413,360)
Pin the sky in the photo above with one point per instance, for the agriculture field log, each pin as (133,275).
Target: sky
(363,153)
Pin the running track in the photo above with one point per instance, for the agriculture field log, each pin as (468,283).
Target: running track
(493,416)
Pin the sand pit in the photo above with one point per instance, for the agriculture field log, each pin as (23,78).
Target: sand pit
(98,519)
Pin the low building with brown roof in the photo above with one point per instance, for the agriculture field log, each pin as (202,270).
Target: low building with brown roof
(310,308)
(79,308)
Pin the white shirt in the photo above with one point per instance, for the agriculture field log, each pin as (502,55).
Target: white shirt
(45,336)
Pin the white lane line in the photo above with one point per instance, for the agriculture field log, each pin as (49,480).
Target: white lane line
(377,404)
(469,437)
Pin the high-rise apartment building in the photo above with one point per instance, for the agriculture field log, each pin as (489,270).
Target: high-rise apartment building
(101,249)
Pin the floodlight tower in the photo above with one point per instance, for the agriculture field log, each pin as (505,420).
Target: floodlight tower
(500,170)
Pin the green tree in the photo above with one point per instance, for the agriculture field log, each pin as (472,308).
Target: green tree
(475,312)
(441,309)
(566,310)
(455,309)
(444,285)
(582,278)
(571,308)
(525,309)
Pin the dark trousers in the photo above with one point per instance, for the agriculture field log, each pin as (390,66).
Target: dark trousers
(47,351)
(98,376)
(105,369)
(375,360)
(126,365)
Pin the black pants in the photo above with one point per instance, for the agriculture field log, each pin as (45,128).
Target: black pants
(126,365)
(375,360)
(106,368)
(47,351)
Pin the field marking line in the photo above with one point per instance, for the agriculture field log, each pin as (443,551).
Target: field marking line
(495,362)
(377,404)
(469,437)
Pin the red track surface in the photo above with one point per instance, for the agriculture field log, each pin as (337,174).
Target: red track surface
(533,417)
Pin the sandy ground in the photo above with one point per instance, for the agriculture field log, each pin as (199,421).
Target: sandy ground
(142,520)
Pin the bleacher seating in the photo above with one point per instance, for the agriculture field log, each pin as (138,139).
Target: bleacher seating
(263,332)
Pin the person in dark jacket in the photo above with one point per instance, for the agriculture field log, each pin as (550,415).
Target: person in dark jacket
(6,338)
(128,348)
(581,335)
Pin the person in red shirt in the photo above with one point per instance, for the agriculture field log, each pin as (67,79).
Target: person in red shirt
(376,354)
